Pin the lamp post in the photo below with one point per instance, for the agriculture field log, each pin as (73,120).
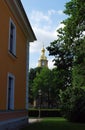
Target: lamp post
(39,101)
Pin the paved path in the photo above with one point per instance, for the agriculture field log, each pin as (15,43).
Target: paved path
(33,120)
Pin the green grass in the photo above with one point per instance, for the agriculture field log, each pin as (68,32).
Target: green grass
(55,124)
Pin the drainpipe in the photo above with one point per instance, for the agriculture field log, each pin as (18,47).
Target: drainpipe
(27,76)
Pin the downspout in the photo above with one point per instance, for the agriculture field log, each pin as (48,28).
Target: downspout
(27,76)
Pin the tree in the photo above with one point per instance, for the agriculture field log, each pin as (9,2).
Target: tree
(63,59)
(32,74)
(73,104)
(75,30)
(69,52)
(42,82)
(47,81)
(69,47)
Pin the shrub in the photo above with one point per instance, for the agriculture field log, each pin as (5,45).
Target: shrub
(73,104)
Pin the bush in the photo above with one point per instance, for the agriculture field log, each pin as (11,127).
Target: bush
(45,113)
(33,112)
(73,104)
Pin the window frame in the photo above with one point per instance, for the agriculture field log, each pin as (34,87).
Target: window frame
(12,37)
(11,102)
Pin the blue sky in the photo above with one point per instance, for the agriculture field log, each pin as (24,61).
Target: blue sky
(45,17)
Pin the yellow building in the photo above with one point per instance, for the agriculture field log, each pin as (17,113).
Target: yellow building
(15,35)
(43,62)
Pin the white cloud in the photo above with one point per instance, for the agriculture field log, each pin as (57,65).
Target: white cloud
(43,37)
(45,31)
(44,18)
(60,12)
(38,16)
(50,63)
(53,12)
(60,26)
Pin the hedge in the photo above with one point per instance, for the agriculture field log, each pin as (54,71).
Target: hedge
(44,113)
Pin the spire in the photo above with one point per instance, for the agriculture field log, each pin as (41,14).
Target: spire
(43,54)
(43,59)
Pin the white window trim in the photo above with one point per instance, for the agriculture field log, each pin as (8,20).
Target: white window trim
(14,42)
(12,76)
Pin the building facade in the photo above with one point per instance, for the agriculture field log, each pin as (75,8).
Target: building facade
(15,35)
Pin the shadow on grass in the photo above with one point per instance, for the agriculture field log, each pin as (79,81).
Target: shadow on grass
(54,124)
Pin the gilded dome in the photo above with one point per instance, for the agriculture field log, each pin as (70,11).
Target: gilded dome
(43,57)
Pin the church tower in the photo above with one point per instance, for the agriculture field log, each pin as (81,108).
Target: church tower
(43,62)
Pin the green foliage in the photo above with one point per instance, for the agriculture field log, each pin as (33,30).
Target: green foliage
(75,30)
(73,104)
(69,48)
(48,82)
(41,82)
(69,55)
(79,75)
(32,74)
(73,37)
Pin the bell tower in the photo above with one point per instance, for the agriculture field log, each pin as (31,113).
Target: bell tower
(43,62)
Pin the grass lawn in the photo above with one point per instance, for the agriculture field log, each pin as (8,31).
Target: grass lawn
(55,124)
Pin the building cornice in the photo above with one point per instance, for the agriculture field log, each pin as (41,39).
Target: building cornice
(18,11)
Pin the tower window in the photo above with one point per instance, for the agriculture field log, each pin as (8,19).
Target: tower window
(43,63)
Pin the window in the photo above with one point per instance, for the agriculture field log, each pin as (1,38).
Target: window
(12,38)
(43,63)
(10,100)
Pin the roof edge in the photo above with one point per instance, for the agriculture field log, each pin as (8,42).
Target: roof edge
(21,17)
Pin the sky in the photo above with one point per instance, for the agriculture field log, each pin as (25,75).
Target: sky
(45,17)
